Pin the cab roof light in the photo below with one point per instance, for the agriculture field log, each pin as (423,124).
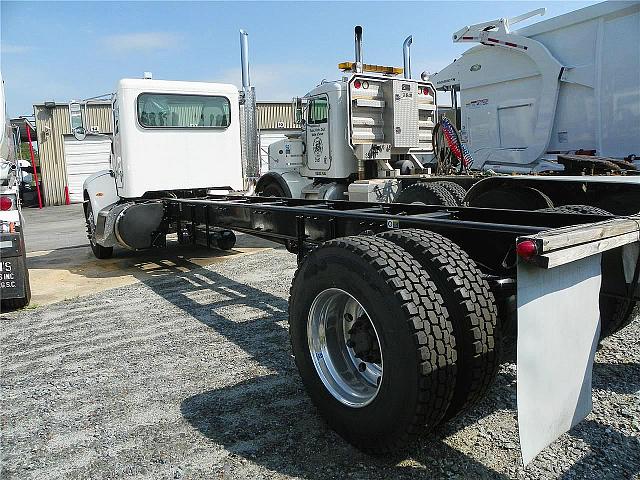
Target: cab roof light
(350,66)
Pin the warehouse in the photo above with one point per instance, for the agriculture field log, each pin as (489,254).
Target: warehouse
(65,160)
(74,141)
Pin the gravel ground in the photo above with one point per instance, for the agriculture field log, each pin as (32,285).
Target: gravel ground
(189,375)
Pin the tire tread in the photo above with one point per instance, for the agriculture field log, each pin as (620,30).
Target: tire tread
(471,306)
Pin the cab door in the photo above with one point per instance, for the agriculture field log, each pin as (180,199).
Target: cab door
(317,134)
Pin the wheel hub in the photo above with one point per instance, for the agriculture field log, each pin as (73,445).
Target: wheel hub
(363,341)
(344,347)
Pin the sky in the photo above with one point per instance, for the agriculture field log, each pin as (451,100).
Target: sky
(70,50)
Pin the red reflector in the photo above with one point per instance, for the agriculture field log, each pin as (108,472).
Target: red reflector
(509,44)
(426,91)
(5,203)
(527,249)
(357,84)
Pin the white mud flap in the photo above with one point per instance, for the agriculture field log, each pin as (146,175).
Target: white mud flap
(558,331)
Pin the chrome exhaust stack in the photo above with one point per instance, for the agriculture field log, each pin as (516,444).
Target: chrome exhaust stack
(249,116)
(406,53)
(358,42)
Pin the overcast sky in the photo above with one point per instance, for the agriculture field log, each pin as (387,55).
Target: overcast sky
(66,50)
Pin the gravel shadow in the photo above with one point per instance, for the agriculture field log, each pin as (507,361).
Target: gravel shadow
(269,420)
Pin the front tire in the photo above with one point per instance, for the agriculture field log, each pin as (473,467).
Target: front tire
(98,250)
(404,338)
(272,189)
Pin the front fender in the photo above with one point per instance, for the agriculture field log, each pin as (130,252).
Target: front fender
(100,190)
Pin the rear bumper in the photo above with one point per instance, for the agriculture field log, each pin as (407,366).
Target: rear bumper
(10,216)
(13,269)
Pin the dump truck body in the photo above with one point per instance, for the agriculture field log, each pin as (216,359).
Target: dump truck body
(570,83)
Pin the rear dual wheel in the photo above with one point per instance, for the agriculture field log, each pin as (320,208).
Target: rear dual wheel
(372,341)
(391,335)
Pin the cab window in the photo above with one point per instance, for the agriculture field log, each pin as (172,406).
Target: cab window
(318,111)
(161,110)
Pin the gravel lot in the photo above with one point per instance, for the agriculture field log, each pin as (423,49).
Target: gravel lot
(189,375)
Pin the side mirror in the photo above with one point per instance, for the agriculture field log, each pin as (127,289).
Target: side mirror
(298,111)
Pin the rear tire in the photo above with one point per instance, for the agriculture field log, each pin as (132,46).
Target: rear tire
(615,313)
(458,191)
(98,250)
(512,198)
(427,194)
(584,209)
(470,305)
(416,344)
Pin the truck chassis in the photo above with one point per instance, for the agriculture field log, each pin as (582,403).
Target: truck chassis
(398,313)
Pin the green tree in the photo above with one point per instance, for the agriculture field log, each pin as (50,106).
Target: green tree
(24,153)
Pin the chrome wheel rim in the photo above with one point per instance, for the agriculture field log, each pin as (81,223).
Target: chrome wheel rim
(345,348)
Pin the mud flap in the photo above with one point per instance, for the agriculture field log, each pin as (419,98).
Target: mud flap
(558,331)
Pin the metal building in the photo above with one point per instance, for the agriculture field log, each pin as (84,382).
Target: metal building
(67,159)
(275,122)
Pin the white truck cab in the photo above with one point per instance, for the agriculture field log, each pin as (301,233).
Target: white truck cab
(174,135)
(359,131)
(171,139)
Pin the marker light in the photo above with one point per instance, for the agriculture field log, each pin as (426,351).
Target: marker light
(6,203)
(526,249)
(365,84)
(357,84)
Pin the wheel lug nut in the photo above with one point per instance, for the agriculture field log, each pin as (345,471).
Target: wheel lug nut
(348,317)
(362,367)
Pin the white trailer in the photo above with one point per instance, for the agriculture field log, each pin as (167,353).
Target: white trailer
(567,84)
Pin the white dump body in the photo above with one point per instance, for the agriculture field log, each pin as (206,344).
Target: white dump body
(568,83)
(174,135)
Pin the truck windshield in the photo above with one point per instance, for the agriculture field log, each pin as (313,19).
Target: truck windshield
(158,110)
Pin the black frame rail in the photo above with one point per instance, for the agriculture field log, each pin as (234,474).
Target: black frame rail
(487,234)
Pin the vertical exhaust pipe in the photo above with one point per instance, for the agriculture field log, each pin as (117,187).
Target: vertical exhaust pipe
(406,53)
(358,69)
(251,143)
(358,42)
(244,58)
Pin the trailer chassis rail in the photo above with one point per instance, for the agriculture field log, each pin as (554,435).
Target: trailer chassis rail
(487,234)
